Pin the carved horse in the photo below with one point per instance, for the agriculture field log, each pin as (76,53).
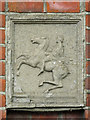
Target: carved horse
(50,62)
(36,58)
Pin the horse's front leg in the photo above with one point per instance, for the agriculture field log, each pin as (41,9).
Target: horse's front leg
(18,66)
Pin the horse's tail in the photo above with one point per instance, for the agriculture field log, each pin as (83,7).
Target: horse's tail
(66,72)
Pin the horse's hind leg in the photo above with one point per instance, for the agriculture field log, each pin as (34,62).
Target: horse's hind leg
(53,88)
(41,68)
(48,82)
(57,80)
(57,77)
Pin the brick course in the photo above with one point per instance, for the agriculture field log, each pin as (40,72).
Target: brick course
(44,116)
(2,20)
(73,115)
(88,6)
(2,5)
(2,36)
(68,7)
(87,114)
(2,68)
(60,115)
(88,100)
(2,114)
(87,83)
(2,100)
(2,85)
(2,53)
(87,35)
(25,6)
(88,20)
(88,67)
(87,51)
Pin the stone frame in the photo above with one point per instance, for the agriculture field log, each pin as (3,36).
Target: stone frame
(43,18)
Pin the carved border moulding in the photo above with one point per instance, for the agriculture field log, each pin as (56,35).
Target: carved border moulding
(45,62)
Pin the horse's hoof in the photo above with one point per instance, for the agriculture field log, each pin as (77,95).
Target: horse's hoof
(61,85)
(40,73)
(47,91)
(41,84)
(18,73)
(17,67)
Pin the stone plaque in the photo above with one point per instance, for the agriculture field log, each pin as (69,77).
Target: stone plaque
(45,62)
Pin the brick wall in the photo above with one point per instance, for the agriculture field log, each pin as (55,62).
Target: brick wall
(87,81)
(50,7)
(2,61)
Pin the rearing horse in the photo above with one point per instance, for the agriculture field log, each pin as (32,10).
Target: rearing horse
(36,58)
(50,62)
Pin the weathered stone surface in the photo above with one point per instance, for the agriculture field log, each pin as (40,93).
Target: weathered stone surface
(45,61)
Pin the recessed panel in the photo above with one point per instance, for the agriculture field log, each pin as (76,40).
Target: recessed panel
(45,57)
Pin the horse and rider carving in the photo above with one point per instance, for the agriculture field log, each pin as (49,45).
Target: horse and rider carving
(49,61)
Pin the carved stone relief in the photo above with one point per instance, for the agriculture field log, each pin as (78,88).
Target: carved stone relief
(45,59)
(52,61)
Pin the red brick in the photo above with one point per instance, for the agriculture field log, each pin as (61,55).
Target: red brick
(2,36)
(88,6)
(87,35)
(88,100)
(2,114)
(2,68)
(88,20)
(35,117)
(88,67)
(87,114)
(87,51)
(87,83)
(2,53)
(2,85)
(49,117)
(2,100)
(45,116)
(69,7)
(2,5)
(73,115)
(18,115)
(2,20)
(25,6)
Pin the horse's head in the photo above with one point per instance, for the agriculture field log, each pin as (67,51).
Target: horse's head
(37,40)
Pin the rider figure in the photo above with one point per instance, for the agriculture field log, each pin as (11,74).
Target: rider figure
(55,54)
